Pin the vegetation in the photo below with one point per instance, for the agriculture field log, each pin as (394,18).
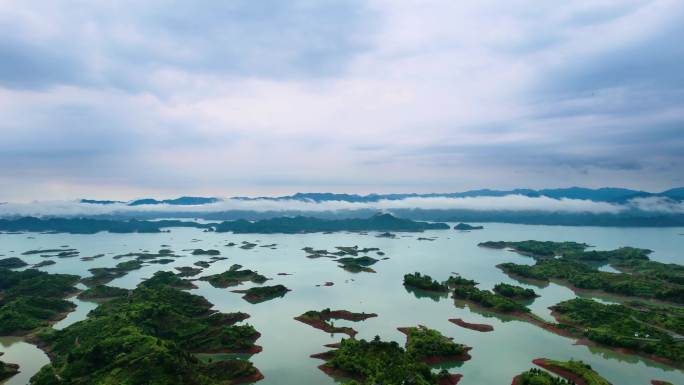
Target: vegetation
(322,320)
(7,370)
(234,276)
(536,376)
(356,265)
(379,362)
(103,275)
(514,292)
(263,293)
(149,337)
(649,279)
(101,292)
(425,344)
(465,227)
(540,249)
(424,282)
(31,299)
(299,224)
(574,371)
(91,226)
(647,329)
(468,291)
(205,252)
(12,263)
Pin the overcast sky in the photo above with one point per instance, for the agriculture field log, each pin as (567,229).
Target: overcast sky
(124,99)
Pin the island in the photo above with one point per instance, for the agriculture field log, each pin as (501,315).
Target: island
(102,293)
(235,275)
(92,226)
(263,293)
(321,320)
(32,299)
(471,326)
(12,263)
(385,362)
(431,347)
(7,370)
(355,265)
(514,292)
(650,330)
(150,336)
(575,372)
(300,224)
(466,290)
(205,252)
(466,227)
(43,264)
(424,282)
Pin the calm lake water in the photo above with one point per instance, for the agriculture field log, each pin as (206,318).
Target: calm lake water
(497,356)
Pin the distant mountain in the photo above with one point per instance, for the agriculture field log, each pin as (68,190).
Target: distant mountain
(98,202)
(182,201)
(606,194)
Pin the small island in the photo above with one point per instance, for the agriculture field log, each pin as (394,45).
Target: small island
(514,292)
(263,293)
(102,293)
(424,282)
(7,370)
(576,372)
(472,326)
(234,276)
(431,347)
(466,227)
(385,362)
(12,263)
(321,320)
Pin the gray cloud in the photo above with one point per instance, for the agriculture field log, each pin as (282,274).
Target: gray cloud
(265,97)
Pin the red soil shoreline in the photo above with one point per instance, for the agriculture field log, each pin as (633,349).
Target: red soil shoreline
(258,376)
(435,360)
(542,362)
(477,327)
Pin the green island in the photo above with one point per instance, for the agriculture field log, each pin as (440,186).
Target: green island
(322,320)
(235,275)
(300,224)
(537,249)
(358,264)
(103,275)
(466,290)
(431,347)
(654,331)
(7,370)
(380,362)
(263,293)
(92,226)
(12,263)
(205,252)
(466,227)
(424,282)
(102,292)
(32,299)
(149,337)
(514,292)
(188,271)
(575,372)
(167,278)
(43,264)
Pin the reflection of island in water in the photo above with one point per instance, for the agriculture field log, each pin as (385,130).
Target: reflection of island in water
(433,295)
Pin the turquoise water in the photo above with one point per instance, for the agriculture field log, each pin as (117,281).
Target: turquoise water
(497,356)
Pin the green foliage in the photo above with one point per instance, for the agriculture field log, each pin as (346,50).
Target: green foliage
(469,292)
(424,342)
(542,249)
(579,368)
(514,292)
(536,376)
(103,292)
(12,263)
(648,329)
(647,279)
(263,293)
(148,337)
(7,370)
(424,282)
(299,224)
(234,276)
(29,299)
(378,362)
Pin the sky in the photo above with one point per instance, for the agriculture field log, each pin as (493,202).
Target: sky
(126,99)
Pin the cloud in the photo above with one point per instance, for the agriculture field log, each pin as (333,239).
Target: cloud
(270,97)
(504,203)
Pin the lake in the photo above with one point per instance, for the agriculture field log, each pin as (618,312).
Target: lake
(497,356)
